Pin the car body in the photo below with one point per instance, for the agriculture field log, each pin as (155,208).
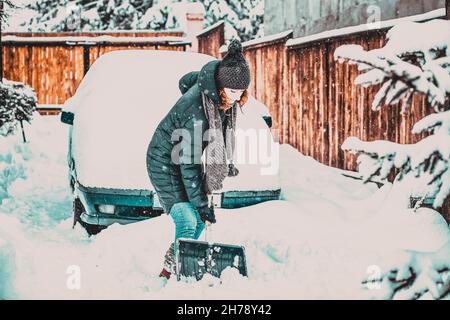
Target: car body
(112,117)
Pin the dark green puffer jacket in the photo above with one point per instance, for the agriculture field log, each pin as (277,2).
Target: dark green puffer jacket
(184,181)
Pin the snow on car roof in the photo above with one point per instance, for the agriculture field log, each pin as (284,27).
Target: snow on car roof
(118,106)
(140,66)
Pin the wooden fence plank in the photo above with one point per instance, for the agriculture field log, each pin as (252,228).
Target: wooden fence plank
(210,41)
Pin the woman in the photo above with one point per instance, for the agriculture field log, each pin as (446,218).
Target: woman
(207,107)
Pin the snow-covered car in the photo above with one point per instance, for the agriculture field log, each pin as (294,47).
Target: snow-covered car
(112,117)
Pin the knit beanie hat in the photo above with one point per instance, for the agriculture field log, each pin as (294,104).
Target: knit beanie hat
(233,71)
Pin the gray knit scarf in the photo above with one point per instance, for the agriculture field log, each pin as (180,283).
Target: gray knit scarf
(219,148)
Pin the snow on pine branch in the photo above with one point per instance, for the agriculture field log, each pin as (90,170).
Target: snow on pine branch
(410,275)
(411,61)
(434,123)
(429,159)
(399,78)
(17,103)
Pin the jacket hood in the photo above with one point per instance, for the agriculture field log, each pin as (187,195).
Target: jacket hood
(207,80)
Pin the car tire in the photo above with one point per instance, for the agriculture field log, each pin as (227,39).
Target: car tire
(78,209)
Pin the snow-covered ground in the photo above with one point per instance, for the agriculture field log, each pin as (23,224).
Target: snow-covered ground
(318,243)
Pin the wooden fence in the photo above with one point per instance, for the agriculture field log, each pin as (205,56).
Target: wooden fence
(54,64)
(325,106)
(211,38)
(313,100)
(269,76)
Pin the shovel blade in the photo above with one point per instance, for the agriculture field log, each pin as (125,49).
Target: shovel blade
(196,258)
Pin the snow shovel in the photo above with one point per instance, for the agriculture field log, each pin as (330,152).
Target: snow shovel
(195,258)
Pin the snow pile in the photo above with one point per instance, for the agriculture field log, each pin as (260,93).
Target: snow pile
(7,266)
(11,166)
(305,181)
(319,243)
(256,153)
(47,199)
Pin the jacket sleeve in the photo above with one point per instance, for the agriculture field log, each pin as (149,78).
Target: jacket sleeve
(190,161)
(187,81)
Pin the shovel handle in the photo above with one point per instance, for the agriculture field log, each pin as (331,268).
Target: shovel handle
(209,195)
(207,223)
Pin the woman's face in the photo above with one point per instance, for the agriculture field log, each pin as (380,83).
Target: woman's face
(233,94)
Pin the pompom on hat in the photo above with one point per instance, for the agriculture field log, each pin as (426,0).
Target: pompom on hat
(233,71)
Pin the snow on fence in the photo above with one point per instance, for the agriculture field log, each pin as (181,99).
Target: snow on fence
(211,38)
(55,63)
